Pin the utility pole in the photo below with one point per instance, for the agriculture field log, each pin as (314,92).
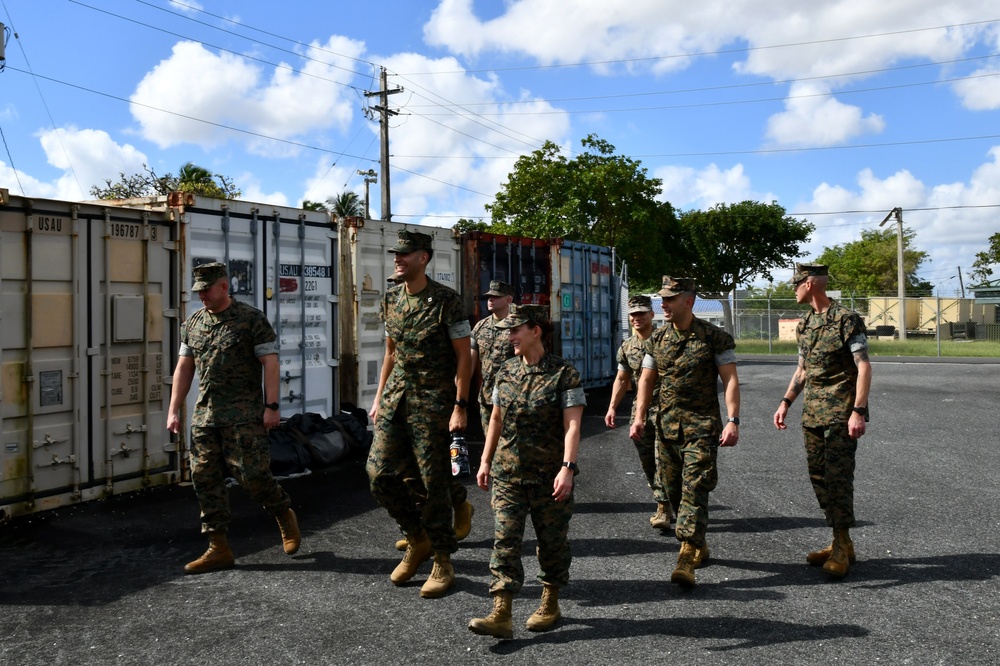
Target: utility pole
(897,212)
(961,285)
(384,113)
(370,177)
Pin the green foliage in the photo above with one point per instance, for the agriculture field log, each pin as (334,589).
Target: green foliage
(190,178)
(345,204)
(729,245)
(596,197)
(464,225)
(870,266)
(314,205)
(982,267)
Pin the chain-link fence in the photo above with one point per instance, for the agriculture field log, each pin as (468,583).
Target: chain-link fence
(952,325)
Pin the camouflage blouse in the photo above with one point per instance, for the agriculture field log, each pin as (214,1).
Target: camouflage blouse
(422,326)
(630,356)
(226,347)
(688,366)
(494,347)
(827,343)
(532,399)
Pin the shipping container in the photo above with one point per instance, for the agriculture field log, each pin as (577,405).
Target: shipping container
(583,285)
(93,294)
(88,308)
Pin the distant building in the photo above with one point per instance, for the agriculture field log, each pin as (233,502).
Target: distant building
(707,310)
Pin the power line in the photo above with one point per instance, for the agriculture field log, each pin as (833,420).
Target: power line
(258,135)
(745,49)
(236,53)
(754,84)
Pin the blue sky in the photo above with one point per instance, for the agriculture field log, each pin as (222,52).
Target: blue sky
(839,110)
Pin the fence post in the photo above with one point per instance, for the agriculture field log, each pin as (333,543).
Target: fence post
(770,334)
(937,325)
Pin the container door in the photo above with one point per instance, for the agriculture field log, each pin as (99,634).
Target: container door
(84,350)
(283,261)
(372,266)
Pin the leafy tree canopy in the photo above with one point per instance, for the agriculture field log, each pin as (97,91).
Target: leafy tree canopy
(982,267)
(870,266)
(190,178)
(729,245)
(464,225)
(596,197)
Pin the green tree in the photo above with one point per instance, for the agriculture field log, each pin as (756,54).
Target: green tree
(982,267)
(596,197)
(869,266)
(729,245)
(314,205)
(345,204)
(464,225)
(190,178)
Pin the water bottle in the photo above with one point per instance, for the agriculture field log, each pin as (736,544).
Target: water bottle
(459,455)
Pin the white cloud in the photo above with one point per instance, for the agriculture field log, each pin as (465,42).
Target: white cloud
(87,157)
(687,188)
(980,94)
(230,91)
(813,119)
(945,217)
(458,158)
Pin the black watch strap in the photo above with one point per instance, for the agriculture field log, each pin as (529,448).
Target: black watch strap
(572,467)
(273,405)
(462,403)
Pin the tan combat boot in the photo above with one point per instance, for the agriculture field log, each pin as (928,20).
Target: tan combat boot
(463,519)
(661,519)
(291,538)
(441,579)
(463,523)
(842,556)
(418,551)
(818,557)
(499,623)
(701,556)
(218,556)
(548,612)
(684,573)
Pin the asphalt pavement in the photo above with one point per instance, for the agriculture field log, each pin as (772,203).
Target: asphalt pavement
(102,583)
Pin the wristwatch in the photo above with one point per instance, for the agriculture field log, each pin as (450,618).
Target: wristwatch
(572,467)
(860,410)
(734,419)
(272,405)
(462,403)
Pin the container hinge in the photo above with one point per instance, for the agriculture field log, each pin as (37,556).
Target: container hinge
(56,460)
(122,451)
(129,430)
(289,377)
(47,441)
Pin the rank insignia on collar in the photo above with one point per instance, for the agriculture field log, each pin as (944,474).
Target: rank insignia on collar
(430,299)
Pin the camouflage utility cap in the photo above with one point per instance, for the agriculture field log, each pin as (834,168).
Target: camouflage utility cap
(499,288)
(673,286)
(802,271)
(640,303)
(411,241)
(206,275)
(522,314)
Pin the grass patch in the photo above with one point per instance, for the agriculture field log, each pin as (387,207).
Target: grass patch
(876,348)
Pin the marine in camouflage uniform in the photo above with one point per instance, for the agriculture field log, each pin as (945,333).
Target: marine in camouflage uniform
(686,358)
(630,355)
(229,342)
(531,456)
(835,374)
(425,376)
(491,347)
